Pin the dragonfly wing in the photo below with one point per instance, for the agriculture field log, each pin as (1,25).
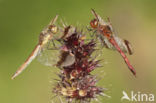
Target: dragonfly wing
(123,44)
(105,43)
(129,47)
(49,54)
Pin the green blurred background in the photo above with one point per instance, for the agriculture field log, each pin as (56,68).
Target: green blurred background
(22,20)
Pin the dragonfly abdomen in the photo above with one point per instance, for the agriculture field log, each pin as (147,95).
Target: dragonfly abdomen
(32,56)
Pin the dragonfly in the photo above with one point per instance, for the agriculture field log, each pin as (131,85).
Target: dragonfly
(105,33)
(45,36)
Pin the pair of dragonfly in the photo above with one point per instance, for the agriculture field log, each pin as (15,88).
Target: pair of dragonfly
(103,31)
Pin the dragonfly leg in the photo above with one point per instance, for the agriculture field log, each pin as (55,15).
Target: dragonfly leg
(54,46)
(90,30)
(93,34)
(102,41)
(60,41)
(53,43)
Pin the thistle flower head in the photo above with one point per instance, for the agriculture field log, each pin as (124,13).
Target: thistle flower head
(76,81)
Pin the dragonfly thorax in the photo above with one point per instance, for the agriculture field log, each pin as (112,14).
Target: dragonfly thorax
(44,38)
(105,30)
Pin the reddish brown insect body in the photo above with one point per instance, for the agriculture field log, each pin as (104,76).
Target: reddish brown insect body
(113,42)
(105,30)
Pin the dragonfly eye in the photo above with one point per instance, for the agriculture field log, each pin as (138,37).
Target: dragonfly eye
(94,23)
(53,28)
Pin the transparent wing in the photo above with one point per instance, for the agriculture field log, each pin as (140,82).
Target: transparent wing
(123,44)
(49,54)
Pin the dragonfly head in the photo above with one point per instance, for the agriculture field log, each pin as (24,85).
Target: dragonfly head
(53,29)
(94,23)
